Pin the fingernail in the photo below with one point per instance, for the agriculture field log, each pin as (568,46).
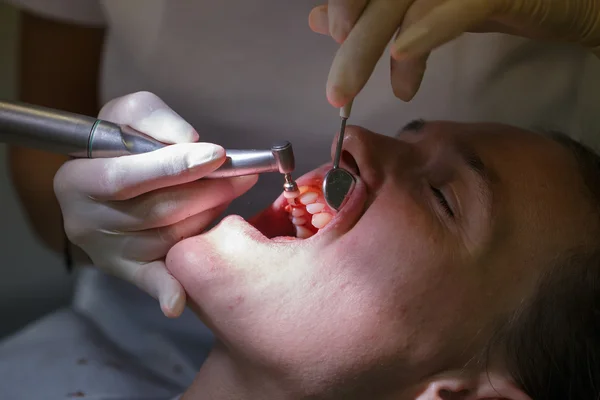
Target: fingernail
(241,184)
(174,302)
(317,20)
(337,96)
(173,306)
(244,180)
(203,153)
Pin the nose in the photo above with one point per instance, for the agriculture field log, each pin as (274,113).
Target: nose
(367,154)
(355,137)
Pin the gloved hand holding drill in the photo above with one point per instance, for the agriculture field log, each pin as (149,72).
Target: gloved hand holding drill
(421,26)
(127,212)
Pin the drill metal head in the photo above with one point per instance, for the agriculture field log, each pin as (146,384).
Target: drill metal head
(284,157)
(289,185)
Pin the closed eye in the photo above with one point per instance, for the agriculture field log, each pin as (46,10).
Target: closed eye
(442,200)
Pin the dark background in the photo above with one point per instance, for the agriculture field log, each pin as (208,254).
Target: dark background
(33,281)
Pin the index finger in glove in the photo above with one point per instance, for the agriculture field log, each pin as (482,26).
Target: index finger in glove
(357,57)
(147,113)
(123,178)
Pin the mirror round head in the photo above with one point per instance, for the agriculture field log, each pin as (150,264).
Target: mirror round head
(338,183)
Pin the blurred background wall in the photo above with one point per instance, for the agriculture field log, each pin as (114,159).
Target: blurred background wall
(33,281)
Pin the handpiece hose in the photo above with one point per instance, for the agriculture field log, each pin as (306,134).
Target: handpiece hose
(86,137)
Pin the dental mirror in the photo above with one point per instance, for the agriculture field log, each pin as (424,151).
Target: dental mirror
(339,183)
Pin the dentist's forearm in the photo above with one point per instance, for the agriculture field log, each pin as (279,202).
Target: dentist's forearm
(59,66)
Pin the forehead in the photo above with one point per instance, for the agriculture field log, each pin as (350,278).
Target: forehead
(514,155)
(524,161)
(502,138)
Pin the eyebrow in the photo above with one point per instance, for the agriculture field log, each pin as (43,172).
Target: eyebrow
(414,126)
(467,154)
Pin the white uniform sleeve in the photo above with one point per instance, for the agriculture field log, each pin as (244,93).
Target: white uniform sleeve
(85,12)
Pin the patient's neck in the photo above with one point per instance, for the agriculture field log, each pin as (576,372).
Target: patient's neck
(221,378)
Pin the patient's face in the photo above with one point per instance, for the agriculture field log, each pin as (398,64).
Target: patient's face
(445,232)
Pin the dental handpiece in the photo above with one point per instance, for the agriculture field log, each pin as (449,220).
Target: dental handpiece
(81,136)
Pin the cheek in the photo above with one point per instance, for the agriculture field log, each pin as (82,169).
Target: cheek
(397,251)
(396,234)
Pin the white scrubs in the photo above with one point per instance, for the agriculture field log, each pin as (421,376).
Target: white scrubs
(244,74)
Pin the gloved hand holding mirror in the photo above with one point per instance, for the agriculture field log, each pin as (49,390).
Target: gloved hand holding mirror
(416,27)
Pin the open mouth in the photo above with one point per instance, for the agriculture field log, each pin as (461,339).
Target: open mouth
(306,214)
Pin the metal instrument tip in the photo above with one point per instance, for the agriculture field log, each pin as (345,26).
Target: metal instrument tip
(338,182)
(289,185)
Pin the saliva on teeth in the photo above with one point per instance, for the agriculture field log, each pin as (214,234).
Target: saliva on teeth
(308,210)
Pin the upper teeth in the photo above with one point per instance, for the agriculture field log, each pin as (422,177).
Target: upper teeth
(298,212)
(307,199)
(320,220)
(315,208)
(303,233)
(299,221)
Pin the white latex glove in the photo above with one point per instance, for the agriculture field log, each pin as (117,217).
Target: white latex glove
(127,212)
(417,27)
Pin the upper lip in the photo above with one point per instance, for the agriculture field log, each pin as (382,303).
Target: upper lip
(356,158)
(357,155)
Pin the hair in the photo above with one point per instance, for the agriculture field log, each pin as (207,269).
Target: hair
(551,344)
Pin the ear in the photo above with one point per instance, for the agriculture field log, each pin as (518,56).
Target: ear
(461,385)
(498,386)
